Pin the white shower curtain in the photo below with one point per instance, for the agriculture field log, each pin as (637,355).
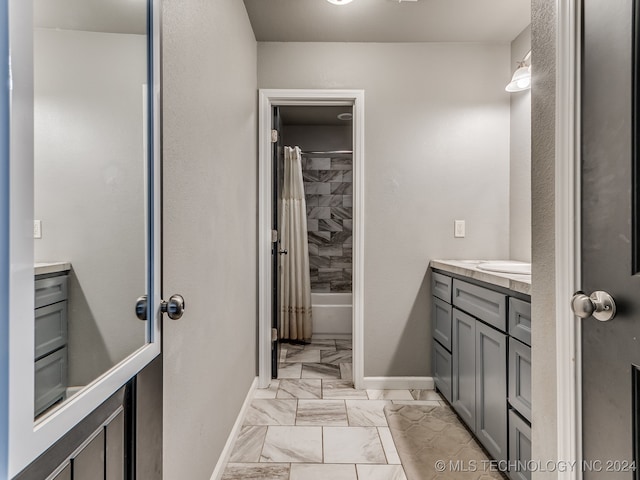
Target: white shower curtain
(295,284)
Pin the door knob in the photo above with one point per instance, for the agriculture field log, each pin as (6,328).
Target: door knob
(141,307)
(174,308)
(599,304)
(284,251)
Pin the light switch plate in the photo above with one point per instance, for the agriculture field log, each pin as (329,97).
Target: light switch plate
(458,228)
(37,229)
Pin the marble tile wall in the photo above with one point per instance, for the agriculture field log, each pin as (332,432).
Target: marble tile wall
(328,184)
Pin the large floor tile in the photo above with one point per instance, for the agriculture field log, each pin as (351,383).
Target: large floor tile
(306,471)
(389,446)
(346,371)
(426,395)
(381,472)
(321,345)
(365,413)
(352,445)
(341,389)
(320,370)
(256,471)
(303,356)
(428,403)
(248,444)
(289,370)
(269,392)
(344,344)
(337,357)
(300,388)
(321,412)
(293,444)
(389,395)
(271,412)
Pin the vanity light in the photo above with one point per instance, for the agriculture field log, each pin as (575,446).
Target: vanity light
(339,2)
(521,79)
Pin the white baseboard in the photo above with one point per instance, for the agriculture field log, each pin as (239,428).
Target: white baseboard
(398,383)
(233,435)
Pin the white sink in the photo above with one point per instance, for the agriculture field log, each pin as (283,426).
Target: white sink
(519,268)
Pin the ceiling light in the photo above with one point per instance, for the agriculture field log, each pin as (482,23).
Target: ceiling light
(339,2)
(345,116)
(521,79)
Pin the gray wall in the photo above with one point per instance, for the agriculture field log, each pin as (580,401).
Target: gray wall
(210,234)
(520,165)
(436,150)
(543,336)
(88,171)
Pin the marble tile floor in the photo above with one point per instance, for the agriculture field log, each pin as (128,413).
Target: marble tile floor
(311,424)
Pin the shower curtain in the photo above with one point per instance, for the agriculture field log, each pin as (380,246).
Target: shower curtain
(295,284)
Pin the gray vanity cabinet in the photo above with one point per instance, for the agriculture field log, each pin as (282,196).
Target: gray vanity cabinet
(441,311)
(50,331)
(489,330)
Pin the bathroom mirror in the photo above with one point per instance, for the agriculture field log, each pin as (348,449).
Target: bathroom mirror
(91,150)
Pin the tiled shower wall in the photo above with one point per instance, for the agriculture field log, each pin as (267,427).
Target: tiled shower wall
(328,186)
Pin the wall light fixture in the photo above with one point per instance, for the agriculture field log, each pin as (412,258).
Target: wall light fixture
(521,79)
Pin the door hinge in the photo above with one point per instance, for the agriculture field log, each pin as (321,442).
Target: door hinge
(274,136)
(274,334)
(274,236)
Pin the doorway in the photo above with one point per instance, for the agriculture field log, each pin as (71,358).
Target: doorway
(313,215)
(292,109)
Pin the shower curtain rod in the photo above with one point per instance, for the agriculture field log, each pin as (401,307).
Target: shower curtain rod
(327,152)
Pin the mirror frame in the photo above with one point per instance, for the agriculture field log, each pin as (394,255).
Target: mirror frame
(25,438)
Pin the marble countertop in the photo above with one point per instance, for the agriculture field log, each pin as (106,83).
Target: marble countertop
(468,268)
(51,267)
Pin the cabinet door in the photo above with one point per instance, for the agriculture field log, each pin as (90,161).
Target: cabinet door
(463,376)
(491,390)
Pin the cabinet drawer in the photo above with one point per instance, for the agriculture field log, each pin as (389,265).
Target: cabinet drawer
(441,318)
(519,447)
(520,377)
(482,303)
(442,370)
(50,290)
(520,320)
(50,379)
(50,328)
(441,286)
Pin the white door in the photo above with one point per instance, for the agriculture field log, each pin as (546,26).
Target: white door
(79,143)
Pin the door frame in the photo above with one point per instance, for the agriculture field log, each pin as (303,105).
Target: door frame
(567,236)
(269,98)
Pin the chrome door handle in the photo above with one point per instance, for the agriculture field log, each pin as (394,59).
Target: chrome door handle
(174,308)
(599,304)
(284,251)
(141,307)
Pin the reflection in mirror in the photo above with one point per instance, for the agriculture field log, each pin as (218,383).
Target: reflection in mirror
(90,110)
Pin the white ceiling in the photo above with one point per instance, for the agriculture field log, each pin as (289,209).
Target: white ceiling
(493,21)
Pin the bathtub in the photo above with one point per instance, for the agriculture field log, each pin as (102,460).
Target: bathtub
(331,314)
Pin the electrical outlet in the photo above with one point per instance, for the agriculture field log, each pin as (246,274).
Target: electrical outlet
(458,228)
(37,229)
